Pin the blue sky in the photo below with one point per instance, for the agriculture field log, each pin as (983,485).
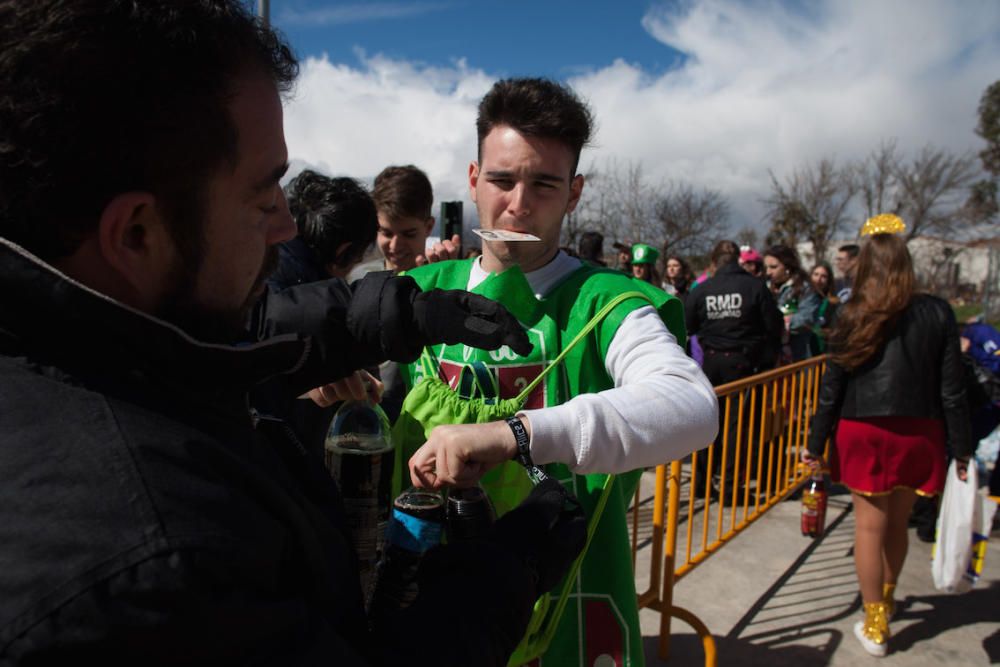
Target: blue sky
(554,38)
(709,93)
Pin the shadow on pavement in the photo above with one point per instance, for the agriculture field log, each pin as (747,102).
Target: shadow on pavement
(806,615)
(938,613)
(686,649)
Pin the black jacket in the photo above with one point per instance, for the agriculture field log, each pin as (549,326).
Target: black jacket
(734,311)
(297,265)
(147,518)
(917,373)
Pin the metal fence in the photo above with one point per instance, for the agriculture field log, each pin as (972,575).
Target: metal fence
(700,504)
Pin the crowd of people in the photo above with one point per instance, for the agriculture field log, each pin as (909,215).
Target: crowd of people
(169,311)
(176,328)
(749,312)
(807,302)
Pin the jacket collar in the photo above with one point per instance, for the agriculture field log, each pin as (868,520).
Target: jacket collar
(732,267)
(45,313)
(297,264)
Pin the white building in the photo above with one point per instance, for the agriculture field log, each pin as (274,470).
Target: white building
(943,266)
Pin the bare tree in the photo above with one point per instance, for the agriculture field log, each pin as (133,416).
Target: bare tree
(617,201)
(747,236)
(691,221)
(811,205)
(933,190)
(789,218)
(875,180)
(593,212)
(620,202)
(633,200)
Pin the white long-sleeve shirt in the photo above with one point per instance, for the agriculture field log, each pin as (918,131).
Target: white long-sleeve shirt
(661,408)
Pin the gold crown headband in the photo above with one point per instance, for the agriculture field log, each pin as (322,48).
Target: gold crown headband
(886,223)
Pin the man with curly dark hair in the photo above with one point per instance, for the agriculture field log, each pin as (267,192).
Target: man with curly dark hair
(147,515)
(336,223)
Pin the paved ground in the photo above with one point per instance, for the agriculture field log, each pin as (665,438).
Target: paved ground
(773,597)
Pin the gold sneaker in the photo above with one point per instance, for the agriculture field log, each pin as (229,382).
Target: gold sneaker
(889,600)
(873,632)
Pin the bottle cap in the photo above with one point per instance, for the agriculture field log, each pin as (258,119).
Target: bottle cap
(359,425)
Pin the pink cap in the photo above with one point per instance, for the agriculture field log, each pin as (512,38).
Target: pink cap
(750,255)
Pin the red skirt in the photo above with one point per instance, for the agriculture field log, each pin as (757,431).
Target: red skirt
(876,455)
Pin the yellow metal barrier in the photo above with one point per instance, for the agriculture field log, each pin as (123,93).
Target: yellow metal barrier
(752,466)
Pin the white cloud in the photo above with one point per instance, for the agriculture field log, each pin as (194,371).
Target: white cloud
(765,85)
(355,13)
(356,121)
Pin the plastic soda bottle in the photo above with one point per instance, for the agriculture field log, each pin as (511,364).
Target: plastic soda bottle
(359,455)
(814,506)
(417,525)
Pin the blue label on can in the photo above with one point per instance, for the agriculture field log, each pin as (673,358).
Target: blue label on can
(412,533)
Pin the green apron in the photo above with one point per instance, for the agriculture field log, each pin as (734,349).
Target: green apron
(600,618)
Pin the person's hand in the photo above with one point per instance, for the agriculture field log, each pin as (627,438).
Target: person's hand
(812,462)
(357,386)
(964,343)
(457,316)
(460,454)
(962,469)
(442,250)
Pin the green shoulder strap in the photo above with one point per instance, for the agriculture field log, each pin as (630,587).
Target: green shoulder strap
(545,620)
(594,321)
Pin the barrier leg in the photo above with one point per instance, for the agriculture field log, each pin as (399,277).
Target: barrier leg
(707,641)
(668,610)
(669,556)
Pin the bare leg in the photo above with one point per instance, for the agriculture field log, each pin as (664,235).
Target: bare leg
(896,538)
(870,527)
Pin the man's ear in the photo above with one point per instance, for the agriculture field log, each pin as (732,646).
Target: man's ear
(429,225)
(575,190)
(133,239)
(473,179)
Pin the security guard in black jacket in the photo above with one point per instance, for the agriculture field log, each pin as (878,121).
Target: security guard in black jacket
(739,327)
(736,319)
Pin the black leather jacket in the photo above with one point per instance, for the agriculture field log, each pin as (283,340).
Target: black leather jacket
(916,373)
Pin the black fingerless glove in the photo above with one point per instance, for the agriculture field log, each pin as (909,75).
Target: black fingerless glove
(408,319)
(457,316)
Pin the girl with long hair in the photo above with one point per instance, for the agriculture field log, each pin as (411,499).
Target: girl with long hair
(894,396)
(821,278)
(677,276)
(796,300)
(644,263)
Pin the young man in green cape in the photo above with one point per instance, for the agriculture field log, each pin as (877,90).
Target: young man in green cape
(624,398)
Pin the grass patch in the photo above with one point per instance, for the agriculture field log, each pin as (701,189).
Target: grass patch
(966,310)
